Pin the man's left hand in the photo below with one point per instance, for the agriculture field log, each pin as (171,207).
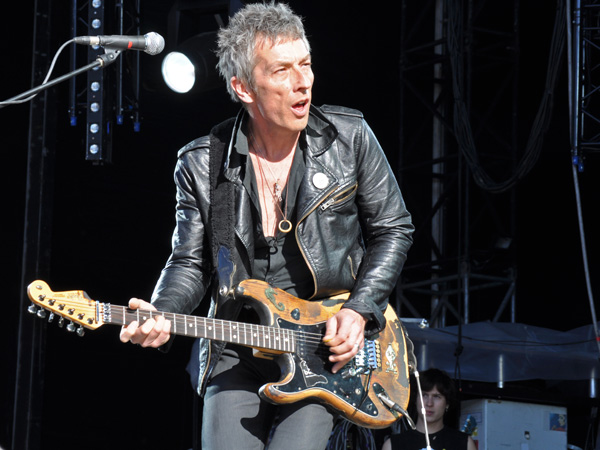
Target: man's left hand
(345,335)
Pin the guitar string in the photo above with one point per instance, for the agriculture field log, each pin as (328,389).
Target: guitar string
(248,329)
(182,320)
(223,327)
(219,327)
(311,342)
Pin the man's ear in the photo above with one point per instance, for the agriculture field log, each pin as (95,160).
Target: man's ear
(242,91)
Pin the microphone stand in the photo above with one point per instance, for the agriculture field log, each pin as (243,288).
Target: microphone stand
(102,61)
(428,444)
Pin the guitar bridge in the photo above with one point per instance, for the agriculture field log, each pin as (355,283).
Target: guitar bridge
(366,360)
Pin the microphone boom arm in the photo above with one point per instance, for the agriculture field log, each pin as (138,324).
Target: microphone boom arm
(104,60)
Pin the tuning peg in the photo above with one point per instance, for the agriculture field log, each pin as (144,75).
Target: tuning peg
(71,327)
(32,309)
(41,313)
(80,331)
(51,317)
(61,322)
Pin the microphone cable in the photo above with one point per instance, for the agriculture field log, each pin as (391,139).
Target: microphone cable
(52,64)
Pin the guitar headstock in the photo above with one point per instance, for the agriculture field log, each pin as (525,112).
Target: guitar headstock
(75,306)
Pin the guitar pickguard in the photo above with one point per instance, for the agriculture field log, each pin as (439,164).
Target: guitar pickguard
(309,369)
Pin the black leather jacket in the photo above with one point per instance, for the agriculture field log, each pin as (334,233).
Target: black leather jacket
(353,228)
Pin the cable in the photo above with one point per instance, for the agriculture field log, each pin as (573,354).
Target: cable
(586,268)
(346,436)
(16,102)
(462,126)
(574,111)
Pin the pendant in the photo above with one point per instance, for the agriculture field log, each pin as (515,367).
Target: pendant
(277,191)
(285,226)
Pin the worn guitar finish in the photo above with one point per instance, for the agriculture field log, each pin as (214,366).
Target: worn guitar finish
(372,390)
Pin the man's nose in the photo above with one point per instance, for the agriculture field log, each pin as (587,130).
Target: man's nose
(303,78)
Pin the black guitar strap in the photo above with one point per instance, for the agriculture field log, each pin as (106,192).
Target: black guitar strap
(222,216)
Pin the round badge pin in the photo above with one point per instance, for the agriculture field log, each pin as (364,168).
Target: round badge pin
(320,180)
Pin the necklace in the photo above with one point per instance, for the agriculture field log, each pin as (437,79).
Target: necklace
(284,225)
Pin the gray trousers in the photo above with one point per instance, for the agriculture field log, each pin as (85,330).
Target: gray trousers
(235,417)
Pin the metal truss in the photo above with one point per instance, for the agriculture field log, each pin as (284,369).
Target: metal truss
(111,95)
(455,55)
(586,79)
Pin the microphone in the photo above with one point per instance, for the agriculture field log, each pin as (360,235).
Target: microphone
(151,43)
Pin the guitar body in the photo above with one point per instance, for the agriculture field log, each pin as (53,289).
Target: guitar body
(372,390)
(380,368)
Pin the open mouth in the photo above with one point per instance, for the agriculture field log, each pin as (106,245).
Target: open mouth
(300,107)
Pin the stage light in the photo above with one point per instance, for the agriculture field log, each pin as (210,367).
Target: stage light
(191,68)
(98,138)
(178,72)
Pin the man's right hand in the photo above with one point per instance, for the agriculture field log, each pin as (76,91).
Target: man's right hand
(152,333)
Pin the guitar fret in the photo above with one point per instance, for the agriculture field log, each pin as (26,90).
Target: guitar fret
(210,328)
(266,337)
(250,335)
(276,339)
(286,340)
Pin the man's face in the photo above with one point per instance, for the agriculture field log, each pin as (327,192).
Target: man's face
(283,80)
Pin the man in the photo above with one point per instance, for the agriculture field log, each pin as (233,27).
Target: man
(299,196)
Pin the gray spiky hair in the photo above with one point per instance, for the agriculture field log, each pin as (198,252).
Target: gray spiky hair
(250,27)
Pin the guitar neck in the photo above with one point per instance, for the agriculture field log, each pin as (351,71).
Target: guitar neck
(246,334)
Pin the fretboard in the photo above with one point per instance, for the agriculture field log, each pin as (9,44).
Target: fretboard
(249,335)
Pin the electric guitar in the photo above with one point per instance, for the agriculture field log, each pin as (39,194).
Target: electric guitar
(371,390)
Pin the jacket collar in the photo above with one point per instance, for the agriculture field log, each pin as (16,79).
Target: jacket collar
(320,134)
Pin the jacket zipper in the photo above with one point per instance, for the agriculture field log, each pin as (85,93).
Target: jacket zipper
(337,199)
(302,249)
